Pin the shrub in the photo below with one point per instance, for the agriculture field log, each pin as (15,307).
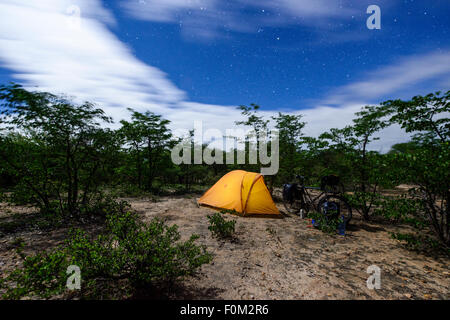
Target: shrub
(419,242)
(142,254)
(42,274)
(324,223)
(401,209)
(102,205)
(410,210)
(46,220)
(364,202)
(24,221)
(220,227)
(426,164)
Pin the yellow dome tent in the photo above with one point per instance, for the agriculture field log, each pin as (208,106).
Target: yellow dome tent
(242,191)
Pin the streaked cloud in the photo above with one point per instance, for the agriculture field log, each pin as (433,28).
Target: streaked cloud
(42,48)
(210,18)
(401,76)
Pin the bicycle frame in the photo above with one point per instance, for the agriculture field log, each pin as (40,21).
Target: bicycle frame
(306,198)
(302,200)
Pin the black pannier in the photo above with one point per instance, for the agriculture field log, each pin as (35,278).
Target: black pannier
(330,181)
(290,192)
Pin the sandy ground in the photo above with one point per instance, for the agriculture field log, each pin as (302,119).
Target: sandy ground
(287,259)
(282,258)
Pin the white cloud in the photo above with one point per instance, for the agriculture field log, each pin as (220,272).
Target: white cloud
(323,118)
(318,120)
(171,10)
(167,10)
(400,76)
(42,48)
(208,18)
(89,9)
(309,9)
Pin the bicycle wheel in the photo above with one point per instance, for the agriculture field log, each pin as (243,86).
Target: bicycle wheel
(335,206)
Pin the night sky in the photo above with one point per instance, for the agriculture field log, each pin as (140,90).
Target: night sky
(199,59)
(288,65)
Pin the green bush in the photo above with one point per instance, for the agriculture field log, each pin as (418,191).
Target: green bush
(94,211)
(42,274)
(18,222)
(141,254)
(220,227)
(364,202)
(410,210)
(400,209)
(324,223)
(419,242)
(102,205)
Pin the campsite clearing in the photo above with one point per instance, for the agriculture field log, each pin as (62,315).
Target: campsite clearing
(279,258)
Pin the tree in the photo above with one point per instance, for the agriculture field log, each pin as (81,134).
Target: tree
(428,166)
(253,120)
(368,166)
(148,139)
(290,140)
(404,147)
(425,115)
(58,150)
(258,127)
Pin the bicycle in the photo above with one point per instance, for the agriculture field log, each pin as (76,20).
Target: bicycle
(298,200)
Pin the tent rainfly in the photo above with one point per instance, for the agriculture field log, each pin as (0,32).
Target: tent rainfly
(242,191)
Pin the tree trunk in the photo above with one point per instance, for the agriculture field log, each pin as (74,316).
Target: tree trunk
(150,167)
(139,169)
(363,172)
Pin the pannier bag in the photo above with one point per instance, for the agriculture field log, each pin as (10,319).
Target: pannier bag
(290,192)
